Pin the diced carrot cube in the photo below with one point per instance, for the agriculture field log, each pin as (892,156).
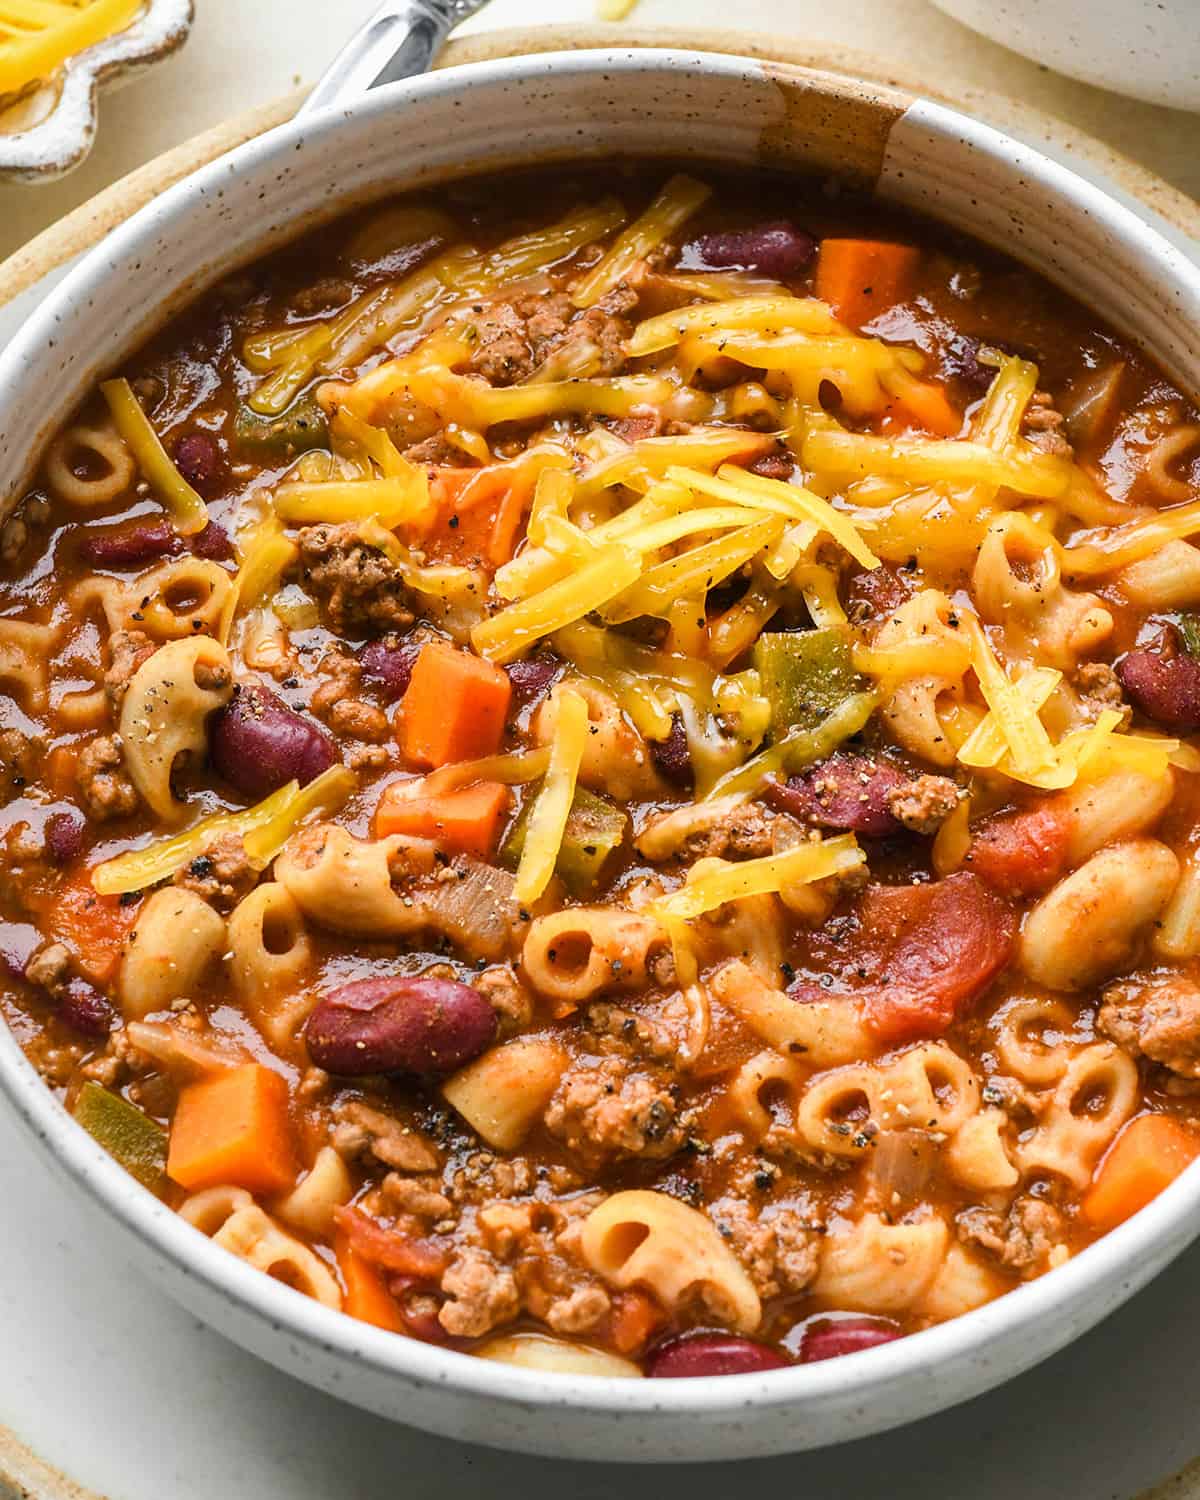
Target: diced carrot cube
(455,707)
(1147,1156)
(233,1128)
(862,278)
(465,821)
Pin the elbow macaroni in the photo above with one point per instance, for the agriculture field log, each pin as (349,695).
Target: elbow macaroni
(176,939)
(166,711)
(640,1238)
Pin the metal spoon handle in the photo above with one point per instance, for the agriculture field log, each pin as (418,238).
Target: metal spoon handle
(399,41)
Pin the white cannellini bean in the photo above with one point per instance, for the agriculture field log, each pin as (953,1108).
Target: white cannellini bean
(1085,928)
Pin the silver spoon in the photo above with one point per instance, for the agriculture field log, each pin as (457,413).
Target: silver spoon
(399,41)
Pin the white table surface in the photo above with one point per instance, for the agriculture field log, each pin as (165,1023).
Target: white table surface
(121,1390)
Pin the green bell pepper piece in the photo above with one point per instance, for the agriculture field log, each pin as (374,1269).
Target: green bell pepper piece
(125,1132)
(594,829)
(806,675)
(303,426)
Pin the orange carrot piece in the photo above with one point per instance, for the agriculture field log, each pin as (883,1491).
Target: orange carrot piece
(94,927)
(234,1128)
(509,514)
(861,278)
(455,707)
(484,510)
(366,1296)
(466,821)
(924,406)
(1147,1156)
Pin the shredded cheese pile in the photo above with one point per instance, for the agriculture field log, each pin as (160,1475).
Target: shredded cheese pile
(38,36)
(621,530)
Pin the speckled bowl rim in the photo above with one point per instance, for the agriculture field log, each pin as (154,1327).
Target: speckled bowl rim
(1106,1272)
(60,141)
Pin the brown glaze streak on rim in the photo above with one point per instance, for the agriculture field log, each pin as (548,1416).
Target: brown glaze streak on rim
(831,122)
(855,77)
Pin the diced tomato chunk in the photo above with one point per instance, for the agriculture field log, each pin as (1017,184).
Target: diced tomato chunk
(388,1249)
(922,954)
(1023,853)
(943,943)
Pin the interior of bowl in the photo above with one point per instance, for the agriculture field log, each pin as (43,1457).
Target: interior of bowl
(682,107)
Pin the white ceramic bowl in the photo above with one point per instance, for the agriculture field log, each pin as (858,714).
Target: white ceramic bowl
(565,106)
(1150,51)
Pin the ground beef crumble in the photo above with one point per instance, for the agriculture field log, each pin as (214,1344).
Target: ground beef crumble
(361,589)
(508,997)
(523,1257)
(1021,1240)
(705,830)
(339,702)
(780,1247)
(360,1131)
(923,804)
(1098,685)
(50,968)
(609,1112)
(221,874)
(20,755)
(633,1034)
(127,650)
(1159,1020)
(1042,424)
(512,339)
(105,789)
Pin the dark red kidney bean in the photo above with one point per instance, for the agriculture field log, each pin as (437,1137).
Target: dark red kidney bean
(198,458)
(1164,683)
(399,1025)
(132,545)
(531,678)
(85,1009)
(258,744)
(213,544)
(778,249)
(776,465)
(695,1354)
(672,756)
(828,1338)
(390,666)
(64,836)
(19,941)
(413,1299)
(846,791)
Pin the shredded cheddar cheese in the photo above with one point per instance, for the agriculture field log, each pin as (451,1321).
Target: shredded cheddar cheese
(552,807)
(764,315)
(673,207)
(189,514)
(264,555)
(1016,718)
(712,883)
(392,502)
(505,635)
(40,35)
(264,829)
